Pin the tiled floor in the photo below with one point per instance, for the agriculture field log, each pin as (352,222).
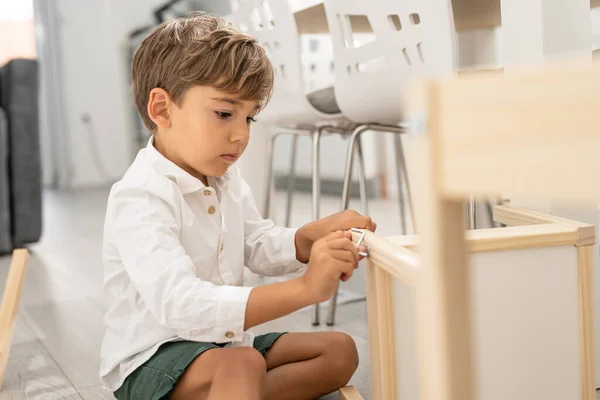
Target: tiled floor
(59,329)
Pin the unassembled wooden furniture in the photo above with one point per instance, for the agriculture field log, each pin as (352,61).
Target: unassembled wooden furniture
(533,134)
(10,305)
(530,285)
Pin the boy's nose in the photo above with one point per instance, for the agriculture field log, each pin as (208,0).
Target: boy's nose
(241,135)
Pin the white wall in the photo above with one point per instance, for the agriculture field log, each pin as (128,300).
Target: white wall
(94,78)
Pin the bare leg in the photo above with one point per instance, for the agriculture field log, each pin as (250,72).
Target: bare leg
(223,374)
(305,366)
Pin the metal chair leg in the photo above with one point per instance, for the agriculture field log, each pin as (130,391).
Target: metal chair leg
(354,138)
(362,179)
(472,213)
(316,196)
(269,176)
(403,182)
(291,181)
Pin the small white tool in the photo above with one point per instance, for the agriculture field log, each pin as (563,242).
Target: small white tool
(360,240)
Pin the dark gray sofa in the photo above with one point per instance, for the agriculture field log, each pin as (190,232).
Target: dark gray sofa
(19,99)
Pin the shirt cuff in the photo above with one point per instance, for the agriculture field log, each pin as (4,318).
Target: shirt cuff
(288,251)
(231,314)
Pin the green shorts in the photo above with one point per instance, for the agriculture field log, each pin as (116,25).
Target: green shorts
(156,378)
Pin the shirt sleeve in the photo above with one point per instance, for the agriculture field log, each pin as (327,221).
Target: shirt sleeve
(146,234)
(268,249)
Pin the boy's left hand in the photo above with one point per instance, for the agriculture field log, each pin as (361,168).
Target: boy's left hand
(341,221)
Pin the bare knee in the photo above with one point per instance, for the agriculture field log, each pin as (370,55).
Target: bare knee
(246,360)
(342,357)
(200,374)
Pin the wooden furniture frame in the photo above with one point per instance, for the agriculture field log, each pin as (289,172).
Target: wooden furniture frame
(532,133)
(526,229)
(10,305)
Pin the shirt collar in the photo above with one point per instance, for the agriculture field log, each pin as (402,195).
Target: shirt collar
(186,182)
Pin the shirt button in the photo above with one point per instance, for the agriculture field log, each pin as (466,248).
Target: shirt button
(229,334)
(211,210)
(207,192)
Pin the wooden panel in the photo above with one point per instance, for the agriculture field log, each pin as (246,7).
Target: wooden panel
(595,3)
(349,393)
(525,329)
(10,305)
(526,326)
(405,333)
(514,216)
(532,133)
(586,322)
(476,14)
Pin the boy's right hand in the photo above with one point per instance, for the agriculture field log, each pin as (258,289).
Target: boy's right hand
(332,258)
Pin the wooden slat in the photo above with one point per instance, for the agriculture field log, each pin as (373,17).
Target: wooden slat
(10,305)
(586,322)
(375,346)
(385,330)
(350,393)
(509,238)
(531,133)
(401,263)
(444,311)
(515,216)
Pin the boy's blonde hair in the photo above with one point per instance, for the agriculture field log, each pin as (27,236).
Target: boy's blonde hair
(199,49)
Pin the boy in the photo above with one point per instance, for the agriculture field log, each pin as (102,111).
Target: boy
(181,225)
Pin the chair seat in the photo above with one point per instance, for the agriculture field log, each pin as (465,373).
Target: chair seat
(324,100)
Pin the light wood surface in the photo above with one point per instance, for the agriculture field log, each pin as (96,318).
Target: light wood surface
(586,322)
(595,3)
(10,305)
(385,331)
(505,238)
(401,263)
(515,216)
(350,393)
(375,346)
(482,145)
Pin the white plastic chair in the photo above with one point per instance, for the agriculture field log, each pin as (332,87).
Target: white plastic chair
(291,110)
(410,39)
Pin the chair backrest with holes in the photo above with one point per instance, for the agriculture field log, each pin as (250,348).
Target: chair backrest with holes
(272,23)
(410,38)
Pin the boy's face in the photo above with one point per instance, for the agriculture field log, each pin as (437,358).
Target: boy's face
(206,133)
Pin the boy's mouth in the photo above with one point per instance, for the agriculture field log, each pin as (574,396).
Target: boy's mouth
(230,157)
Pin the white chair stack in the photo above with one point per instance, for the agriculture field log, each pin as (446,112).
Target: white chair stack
(410,39)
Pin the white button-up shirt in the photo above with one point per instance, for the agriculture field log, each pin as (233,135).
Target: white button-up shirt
(174,254)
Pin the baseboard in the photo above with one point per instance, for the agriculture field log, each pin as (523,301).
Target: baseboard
(329,186)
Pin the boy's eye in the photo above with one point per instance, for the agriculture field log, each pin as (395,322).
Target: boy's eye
(223,115)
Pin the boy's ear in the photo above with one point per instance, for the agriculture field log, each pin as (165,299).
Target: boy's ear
(159,107)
